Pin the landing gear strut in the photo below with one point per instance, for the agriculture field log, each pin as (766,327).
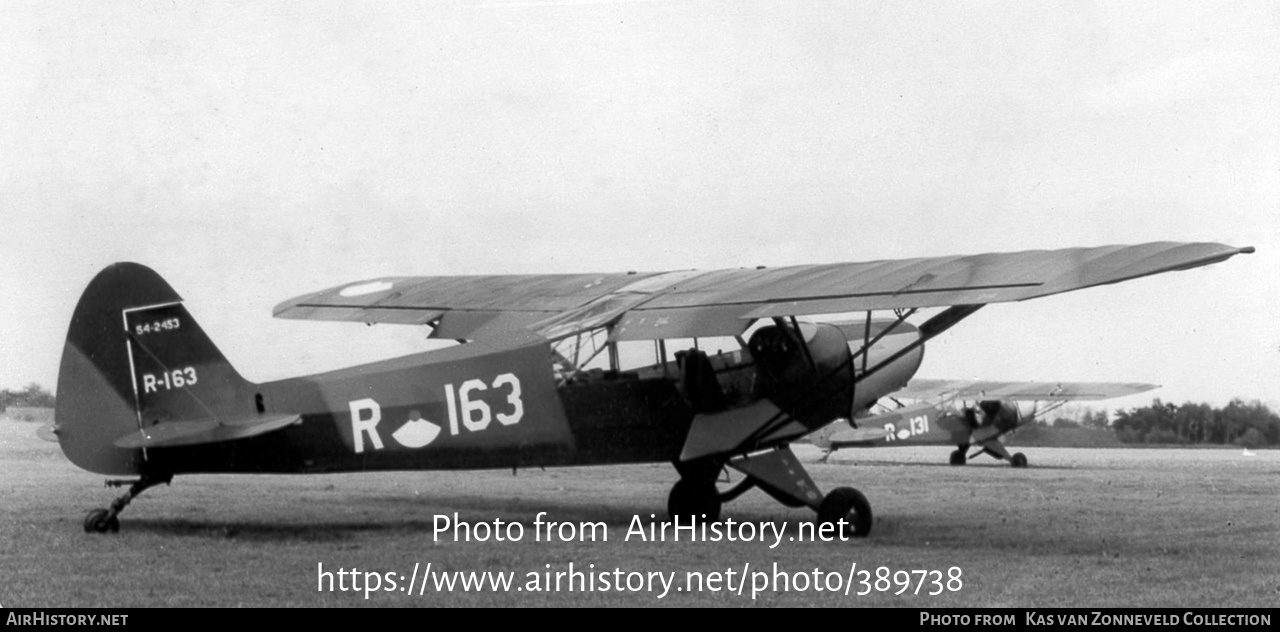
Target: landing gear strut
(997,451)
(106,520)
(776,472)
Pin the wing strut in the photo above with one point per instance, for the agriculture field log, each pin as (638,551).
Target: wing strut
(865,350)
(931,328)
(928,330)
(947,319)
(795,325)
(866,335)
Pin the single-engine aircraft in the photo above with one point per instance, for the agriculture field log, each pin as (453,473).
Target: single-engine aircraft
(964,413)
(143,392)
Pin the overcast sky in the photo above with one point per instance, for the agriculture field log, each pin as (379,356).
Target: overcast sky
(250,152)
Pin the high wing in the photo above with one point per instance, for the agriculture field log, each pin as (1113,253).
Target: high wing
(922,389)
(643,306)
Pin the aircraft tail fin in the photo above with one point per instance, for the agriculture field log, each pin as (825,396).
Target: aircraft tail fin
(135,358)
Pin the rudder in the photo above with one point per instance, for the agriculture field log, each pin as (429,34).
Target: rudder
(135,358)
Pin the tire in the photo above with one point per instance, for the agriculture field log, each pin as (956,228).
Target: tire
(1018,460)
(957,457)
(101,521)
(694,499)
(849,504)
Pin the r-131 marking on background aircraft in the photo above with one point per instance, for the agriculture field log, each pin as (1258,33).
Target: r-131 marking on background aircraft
(142,390)
(965,413)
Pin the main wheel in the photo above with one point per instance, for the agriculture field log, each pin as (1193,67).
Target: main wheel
(695,499)
(850,504)
(957,457)
(1018,459)
(101,521)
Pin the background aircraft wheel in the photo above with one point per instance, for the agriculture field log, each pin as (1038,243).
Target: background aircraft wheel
(957,457)
(101,521)
(694,498)
(1018,459)
(850,504)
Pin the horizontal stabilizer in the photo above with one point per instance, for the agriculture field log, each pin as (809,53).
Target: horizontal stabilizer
(857,435)
(171,434)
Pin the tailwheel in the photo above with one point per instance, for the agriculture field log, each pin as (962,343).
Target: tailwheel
(107,520)
(849,504)
(694,499)
(957,456)
(101,521)
(1018,460)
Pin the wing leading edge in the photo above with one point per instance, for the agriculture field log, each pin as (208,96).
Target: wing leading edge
(640,306)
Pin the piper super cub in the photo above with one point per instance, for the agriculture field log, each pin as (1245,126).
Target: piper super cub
(143,392)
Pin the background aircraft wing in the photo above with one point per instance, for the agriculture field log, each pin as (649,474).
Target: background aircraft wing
(641,306)
(1020,391)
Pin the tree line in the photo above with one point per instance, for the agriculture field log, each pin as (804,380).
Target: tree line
(1248,424)
(33,396)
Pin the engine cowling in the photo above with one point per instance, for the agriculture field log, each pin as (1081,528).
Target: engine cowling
(1005,416)
(813,386)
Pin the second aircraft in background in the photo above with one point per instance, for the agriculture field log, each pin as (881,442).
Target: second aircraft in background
(965,413)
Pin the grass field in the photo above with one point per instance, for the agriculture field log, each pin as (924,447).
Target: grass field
(1116,527)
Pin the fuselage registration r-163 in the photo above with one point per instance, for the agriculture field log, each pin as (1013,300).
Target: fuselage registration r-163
(541,380)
